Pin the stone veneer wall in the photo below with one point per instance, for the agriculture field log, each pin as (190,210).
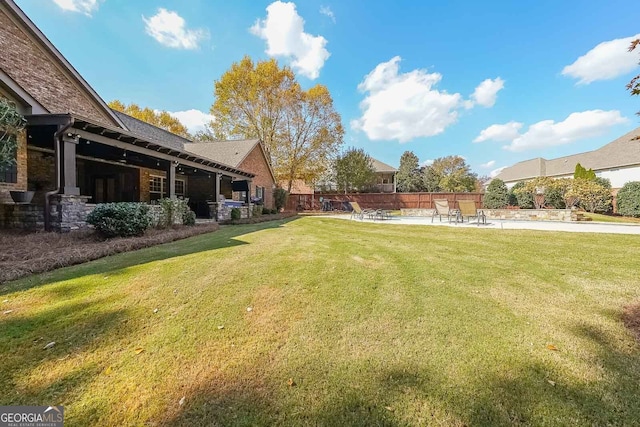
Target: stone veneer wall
(510,214)
(69,213)
(28,217)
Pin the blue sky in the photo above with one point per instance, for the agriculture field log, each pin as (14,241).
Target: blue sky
(521,79)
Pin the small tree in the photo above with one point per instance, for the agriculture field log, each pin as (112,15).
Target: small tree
(408,177)
(590,195)
(280,198)
(629,199)
(523,198)
(11,123)
(354,170)
(582,173)
(497,195)
(538,188)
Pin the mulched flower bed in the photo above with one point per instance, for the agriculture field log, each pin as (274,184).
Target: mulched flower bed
(22,254)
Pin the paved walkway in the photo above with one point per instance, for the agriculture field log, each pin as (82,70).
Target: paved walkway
(572,227)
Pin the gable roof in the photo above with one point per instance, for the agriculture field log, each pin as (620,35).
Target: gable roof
(378,166)
(54,53)
(231,152)
(149,131)
(622,152)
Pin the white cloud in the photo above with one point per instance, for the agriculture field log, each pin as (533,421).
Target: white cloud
(606,61)
(427,162)
(193,119)
(170,30)
(283,30)
(83,6)
(487,92)
(547,133)
(496,172)
(404,106)
(488,165)
(506,132)
(326,10)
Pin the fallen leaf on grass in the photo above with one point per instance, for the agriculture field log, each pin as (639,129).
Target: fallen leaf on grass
(389,408)
(181,402)
(221,327)
(6,300)
(553,383)
(139,350)
(7,312)
(249,309)
(155,310)
(48,346)
(291,382)
(552,347)
(108,371)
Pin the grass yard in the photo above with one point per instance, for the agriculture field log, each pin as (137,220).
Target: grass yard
(349,324)
(611,218)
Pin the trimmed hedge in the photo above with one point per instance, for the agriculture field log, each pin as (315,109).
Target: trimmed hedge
(120,219)
(629,199)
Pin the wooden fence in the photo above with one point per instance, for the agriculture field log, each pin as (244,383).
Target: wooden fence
(389,201)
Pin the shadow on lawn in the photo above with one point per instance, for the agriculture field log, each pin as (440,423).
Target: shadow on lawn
(75,328)
(415,395)
(223,238)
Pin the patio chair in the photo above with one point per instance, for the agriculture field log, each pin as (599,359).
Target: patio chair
(469,210)
(380,214)
(357,211)
(442,209)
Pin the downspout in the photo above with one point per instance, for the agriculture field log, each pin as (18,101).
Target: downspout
(57,141)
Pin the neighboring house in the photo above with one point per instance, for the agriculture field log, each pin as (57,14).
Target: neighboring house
(619,161)
(76,151)
(385,177)
(249,155)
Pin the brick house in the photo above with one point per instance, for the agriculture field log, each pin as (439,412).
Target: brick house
(249,155)
(76,151)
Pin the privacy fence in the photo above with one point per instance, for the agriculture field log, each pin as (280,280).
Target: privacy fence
(390,201)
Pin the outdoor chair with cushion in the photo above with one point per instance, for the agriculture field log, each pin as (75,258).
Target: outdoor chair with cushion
(442,210)
(468,209)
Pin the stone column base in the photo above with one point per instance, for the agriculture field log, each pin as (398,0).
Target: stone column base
(69,212)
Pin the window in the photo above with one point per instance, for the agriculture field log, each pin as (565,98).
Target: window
(158,187)
(259,192)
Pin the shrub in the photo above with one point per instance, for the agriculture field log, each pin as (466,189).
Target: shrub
(189,218)
(590,195)
(554,197)
(605,182)
(235,214)
(274,211)
(280,197)
(629,199)
(257,210)
(120,219)
(497,195)
(523,199)
(266,211)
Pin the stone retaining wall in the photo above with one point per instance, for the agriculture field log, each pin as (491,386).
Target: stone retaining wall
(69,213)
(510,214)
(22,217)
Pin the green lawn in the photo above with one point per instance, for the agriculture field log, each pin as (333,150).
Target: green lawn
(375,324)
(611,218)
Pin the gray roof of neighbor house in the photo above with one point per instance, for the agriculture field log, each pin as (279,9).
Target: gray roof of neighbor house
(382,167)
(231,152)
(624,151)
(171,140)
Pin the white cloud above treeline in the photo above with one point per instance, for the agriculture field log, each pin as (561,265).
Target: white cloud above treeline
(170,29)
(404,106)
(607,60)
(283,30)
(194,120)
(548,133)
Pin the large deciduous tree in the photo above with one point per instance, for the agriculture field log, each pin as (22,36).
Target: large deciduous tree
(634,85)
(451,173)
(161,119)
(354,170)
(301,129)
(408,178)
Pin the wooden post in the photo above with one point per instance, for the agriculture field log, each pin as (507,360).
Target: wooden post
(68,169)
(170,190)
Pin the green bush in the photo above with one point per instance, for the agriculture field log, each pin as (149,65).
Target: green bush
(189,218)
(524,200)
(257,210)
(274,211)
(266,211)
(235,214)
(496,196)
(120,219)
(629,199)
(280,197)
(554,197)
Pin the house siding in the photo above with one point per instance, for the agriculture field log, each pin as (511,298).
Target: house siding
(256,163)
(37,72)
